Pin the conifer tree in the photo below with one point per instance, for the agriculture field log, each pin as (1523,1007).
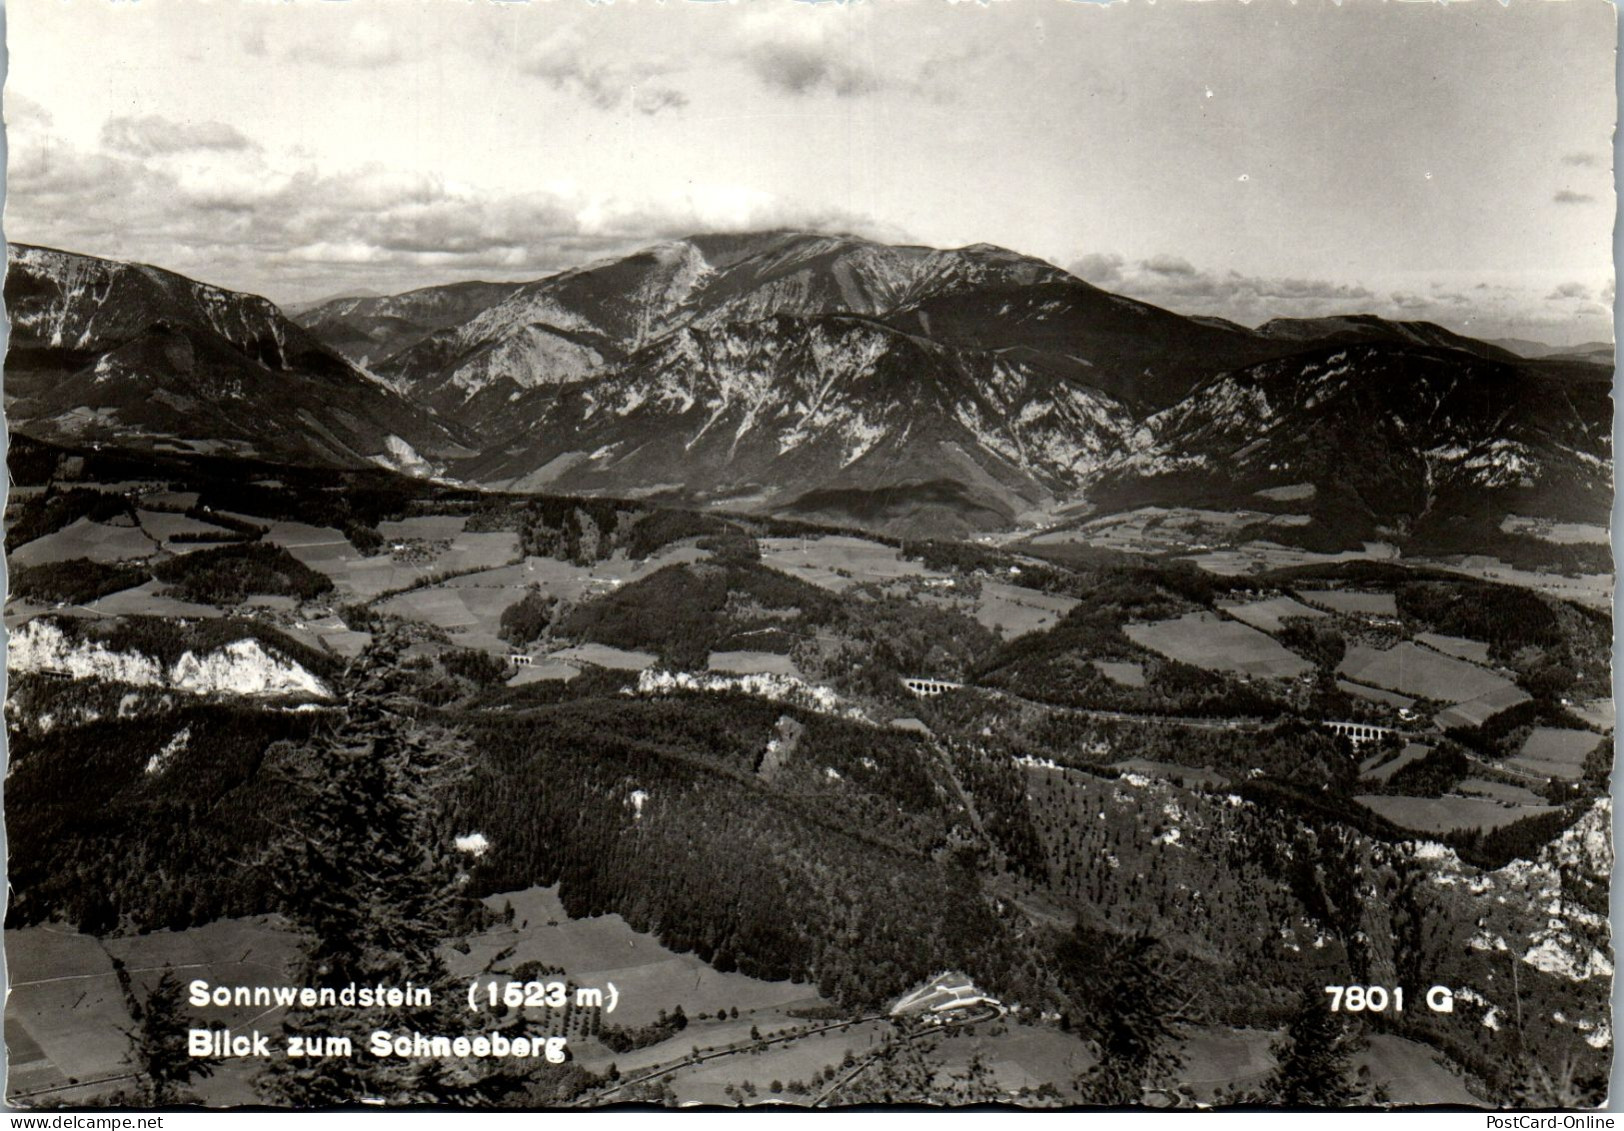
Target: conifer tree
(158,1045)
(1133,1002)
(1314,1059)
(370,878)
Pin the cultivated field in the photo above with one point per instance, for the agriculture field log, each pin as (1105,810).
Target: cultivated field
(1476,712)
(66,1013)
(542,671)
(1013,610)
(1412,752)
(1449,813)
(839,561)
(1216,644)
(751,663)
(148,599)
(98,541)
(1554,752)
(1375,694)
(1414,670)
(1268,613)
(1499,791)
(1352,601)
(606,657)
(1474,650)
(604,949)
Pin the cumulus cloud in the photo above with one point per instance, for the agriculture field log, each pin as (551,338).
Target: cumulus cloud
(361,45)
(806,50)
(569,62)
(151,136)
(1174,282)
(1568,196)
(1569,291)
(809,67)
(1587,160)
(292,228)
(1103,269)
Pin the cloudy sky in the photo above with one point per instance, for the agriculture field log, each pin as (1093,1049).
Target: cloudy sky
(1450,162)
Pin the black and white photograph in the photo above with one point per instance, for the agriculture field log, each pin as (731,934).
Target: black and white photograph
(763,554)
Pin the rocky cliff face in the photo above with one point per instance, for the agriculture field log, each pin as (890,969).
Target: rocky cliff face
(240,668)
(103,351)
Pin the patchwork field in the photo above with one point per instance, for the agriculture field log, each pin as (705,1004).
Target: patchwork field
(1268,613)
(1013,610)
(1599,713)
(1554,752)
(98,541)
(1449,813)
(801,1060)
(1414,670)
(1375,694)
(542,671)
(1412,752)
(1159,530)
(163,525)
(357,577)
(1594,590)
(839,561)
(1352,601)
(66,1013)
(148,599)
(751,663)
(1474,650)
(606,657)
(594,951)
(1216,644)
(1476,712)
(1214,1058)
(1256,557)
(1499,791)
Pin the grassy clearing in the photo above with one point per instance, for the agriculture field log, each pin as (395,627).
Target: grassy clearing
(147,600)
(1215,1058)
(1448,814)
(1375,694)
(751,663)
(1413,752)
(66,1013)
(433,526)
(1476,712)
(1499,791)
(606,657)
(801,1060)
(1013,610)
(1412,1072)
(1555,752)
(1210,642)
(1268,613)
(98,541)
(543,671)
(837,561)
(1413,670)
(1475,651)
(1351,601)
(1127,673)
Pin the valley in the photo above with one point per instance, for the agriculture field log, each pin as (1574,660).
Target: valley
(817,622)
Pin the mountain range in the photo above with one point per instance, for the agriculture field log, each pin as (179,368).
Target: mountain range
(914,389)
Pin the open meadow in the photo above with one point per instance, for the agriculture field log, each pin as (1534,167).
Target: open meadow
(1209,641)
